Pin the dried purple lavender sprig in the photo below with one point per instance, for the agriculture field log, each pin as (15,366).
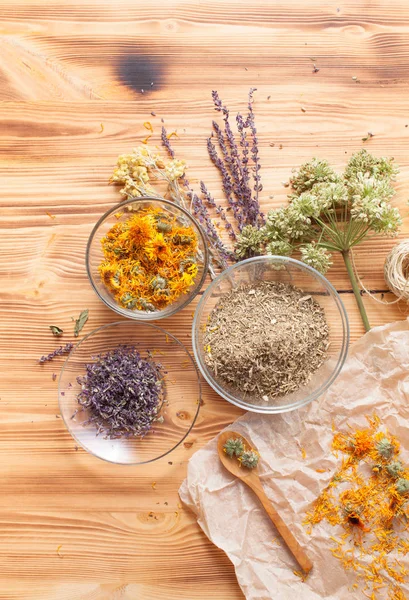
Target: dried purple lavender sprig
(233,161)
(121,392)
(240,188)
(227,183)
(200,211)
(218,209)
(256,217)
(57,352)
(247,208)
(220,252)
(166,143)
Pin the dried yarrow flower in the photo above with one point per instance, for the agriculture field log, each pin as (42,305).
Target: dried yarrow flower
(310,173)
(316,257)
(334,213)
(233,447)
(248,242)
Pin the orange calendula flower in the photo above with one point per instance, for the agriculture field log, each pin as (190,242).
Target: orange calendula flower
(366,501)
(149,260)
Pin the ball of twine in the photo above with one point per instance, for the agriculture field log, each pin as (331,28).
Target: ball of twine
(396,270)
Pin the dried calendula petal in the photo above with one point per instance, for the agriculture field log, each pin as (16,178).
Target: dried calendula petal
(150,260)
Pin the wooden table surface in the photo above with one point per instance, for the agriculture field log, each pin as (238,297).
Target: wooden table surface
(73,527)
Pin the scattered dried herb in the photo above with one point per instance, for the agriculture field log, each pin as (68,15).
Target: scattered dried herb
(150,259)
(57,352)
(80,322)
(367,505)
(57,331)
(122,393)
(266,340)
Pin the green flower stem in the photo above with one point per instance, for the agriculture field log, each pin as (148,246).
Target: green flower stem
(355,288)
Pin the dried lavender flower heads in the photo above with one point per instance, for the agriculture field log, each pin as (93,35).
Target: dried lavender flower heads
(122,393)
(265,340)
(57,352)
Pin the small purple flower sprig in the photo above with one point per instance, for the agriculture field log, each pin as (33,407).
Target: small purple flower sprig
(122,393)
(238,163)
(57,352)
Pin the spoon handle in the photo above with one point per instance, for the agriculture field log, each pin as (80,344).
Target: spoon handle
(295,548)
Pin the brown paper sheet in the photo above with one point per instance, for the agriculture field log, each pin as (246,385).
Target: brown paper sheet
(375,378)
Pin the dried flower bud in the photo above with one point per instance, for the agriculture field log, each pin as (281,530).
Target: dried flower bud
(310,173)
(385,448)
(394,468)
(402,486)
(249,459)
(316,257)
(249,242)
(233,447)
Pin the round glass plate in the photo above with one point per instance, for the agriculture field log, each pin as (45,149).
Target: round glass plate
(182,392)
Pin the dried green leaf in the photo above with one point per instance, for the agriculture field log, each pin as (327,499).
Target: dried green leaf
(80,322)
(57,331)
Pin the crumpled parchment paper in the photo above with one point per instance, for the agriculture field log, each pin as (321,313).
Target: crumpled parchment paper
(375,378)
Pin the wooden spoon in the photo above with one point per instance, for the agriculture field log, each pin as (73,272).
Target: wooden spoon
(251,478)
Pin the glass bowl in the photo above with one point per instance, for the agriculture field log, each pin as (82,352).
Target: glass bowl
(285,270)
(122,212)
(182,392)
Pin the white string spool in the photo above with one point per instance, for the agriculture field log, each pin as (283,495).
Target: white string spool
(396,273)
(396,270)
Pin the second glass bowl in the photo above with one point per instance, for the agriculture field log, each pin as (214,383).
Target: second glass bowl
(122,212)
(181,385)
(285,270)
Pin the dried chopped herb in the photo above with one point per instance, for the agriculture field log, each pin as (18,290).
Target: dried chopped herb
(57,331)
(122,393)
(57,352)
(266,340)
(80,322)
